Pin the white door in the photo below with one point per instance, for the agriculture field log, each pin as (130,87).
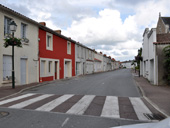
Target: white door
(7,67)
(23,70)
(65,70)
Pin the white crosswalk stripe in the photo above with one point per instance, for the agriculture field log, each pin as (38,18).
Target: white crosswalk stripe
(111,107)
(108,108)
(15,98)
(28,102)
(51,105)
(140,108)
(81,105)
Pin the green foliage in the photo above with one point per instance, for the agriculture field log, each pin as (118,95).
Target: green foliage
(12,42)
(139,58)
(166,51)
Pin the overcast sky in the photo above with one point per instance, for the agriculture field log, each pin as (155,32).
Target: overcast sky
(114,27)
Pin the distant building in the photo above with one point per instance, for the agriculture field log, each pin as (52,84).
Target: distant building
(128,64)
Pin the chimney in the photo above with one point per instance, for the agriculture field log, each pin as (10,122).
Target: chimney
(105,55)
(42,23)
(69,38)
(58,31)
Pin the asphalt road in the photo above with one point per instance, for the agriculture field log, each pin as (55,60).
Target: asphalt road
(117,83)
(32,119)
(114,83)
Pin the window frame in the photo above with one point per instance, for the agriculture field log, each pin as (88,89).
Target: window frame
(49,43)
(7,21)
(49,67)
(69,47)
(23,30)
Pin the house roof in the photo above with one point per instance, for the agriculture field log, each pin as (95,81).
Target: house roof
(166,20)
(34,22)
(161,43)
(97,60)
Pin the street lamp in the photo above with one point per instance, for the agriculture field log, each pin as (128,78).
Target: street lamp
(13,28)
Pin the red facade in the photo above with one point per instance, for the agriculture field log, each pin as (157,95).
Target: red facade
(59,52)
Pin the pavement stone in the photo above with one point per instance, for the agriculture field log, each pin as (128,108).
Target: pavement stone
(158,95)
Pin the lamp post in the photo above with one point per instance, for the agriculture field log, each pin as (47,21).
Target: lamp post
(13,28)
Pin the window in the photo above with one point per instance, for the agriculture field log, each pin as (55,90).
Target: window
(23,30)
(42,68)
(90,57)
(78,51)
(68,47)
(81,52)
(49,66)
(7,21)
(49,41)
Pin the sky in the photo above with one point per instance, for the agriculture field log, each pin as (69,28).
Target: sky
(114,27)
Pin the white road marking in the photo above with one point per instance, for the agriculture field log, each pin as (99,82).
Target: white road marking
(65,122)
(51,105)
(139,108)
(81,105)
(28,102)
(15,98)
(111,107)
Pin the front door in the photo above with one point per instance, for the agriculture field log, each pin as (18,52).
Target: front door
(23,70)
(56,70)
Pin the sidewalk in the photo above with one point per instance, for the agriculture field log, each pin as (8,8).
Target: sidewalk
(158,95)
(7,90)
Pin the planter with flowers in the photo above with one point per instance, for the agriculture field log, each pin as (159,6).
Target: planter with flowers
(12,41)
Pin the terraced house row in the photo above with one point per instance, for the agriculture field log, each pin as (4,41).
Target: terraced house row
(46,54)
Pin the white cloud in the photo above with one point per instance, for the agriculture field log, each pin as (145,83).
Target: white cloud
(114,27)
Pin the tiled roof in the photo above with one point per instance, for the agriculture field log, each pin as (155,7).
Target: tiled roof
(34,22)
(97,60)
(161,43)
(166,20)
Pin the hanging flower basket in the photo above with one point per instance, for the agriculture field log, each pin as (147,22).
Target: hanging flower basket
(12,42)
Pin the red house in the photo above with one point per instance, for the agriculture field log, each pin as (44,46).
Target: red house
(56,55)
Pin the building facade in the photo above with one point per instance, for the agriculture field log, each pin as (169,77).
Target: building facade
(26,58)
(152,66)
(98,62)
(80,59)
(56,55)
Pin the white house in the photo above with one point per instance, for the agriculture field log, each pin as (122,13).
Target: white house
(89,68)
(80,59)
(98,62)
(128,64)
(152,66)
(26,58)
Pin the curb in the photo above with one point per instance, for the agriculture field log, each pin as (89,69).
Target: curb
(40,84)
(150,102)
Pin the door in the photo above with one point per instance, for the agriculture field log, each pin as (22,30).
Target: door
(23,70)
(7,67)
(56,70)
(65,70)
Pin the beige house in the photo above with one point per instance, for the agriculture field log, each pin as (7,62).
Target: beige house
(26,58)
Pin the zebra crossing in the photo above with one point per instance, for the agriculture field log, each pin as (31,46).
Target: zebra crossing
(104,106)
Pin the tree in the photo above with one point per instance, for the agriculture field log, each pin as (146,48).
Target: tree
(166,51)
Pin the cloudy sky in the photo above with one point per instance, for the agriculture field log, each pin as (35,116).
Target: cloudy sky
(114,27)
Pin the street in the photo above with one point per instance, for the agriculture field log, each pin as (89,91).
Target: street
(99,100)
